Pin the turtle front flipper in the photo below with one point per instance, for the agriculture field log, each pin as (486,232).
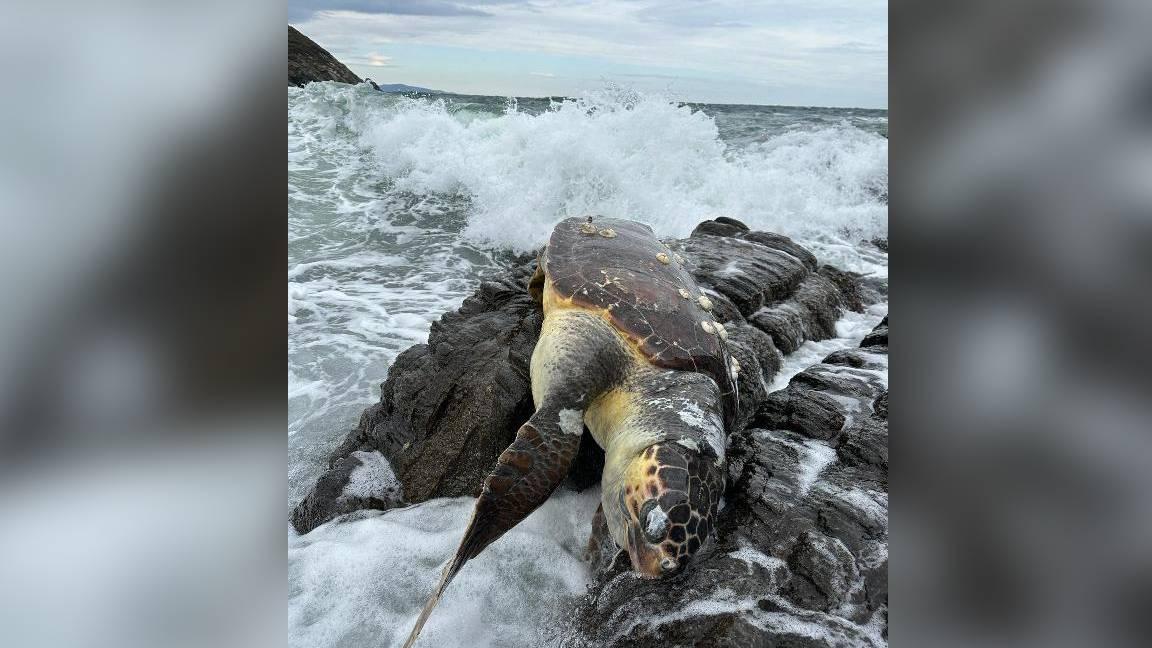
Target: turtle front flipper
(525,475)
(536,282)
(599,537)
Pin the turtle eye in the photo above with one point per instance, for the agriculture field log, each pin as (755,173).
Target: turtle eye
(653,521)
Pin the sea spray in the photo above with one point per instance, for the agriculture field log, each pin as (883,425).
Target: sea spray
(612,153)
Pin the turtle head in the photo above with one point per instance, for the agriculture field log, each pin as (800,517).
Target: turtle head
(667,506)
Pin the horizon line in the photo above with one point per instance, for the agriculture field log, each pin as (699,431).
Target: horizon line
(683,101)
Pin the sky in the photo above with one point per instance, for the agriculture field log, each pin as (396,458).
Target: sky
(772,52)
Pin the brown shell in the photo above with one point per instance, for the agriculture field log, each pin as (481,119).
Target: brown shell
(625,276)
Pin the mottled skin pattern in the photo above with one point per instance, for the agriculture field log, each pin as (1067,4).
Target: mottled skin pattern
(621,350)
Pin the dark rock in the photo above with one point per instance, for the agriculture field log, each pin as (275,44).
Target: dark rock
(784,244)
(880,405)
(823,572)
(805,410)
(724,220)
(878,337)
(865,444)
(307,62)
(809,313)
(453,406)
(730,227)
(720,227)
(759,361)
(836,379)
(846,357)
(849,285)
(747,273)
(329,499)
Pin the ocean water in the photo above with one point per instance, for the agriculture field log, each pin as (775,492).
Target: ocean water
(398,206)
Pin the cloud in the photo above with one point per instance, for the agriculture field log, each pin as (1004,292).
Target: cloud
(302,10)
(543,74)
(652,75)
(379,60)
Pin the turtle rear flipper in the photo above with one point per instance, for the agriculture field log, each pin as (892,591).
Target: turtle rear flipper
(571,366)
(525,475)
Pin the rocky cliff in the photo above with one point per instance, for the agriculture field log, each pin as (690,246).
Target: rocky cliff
(307,61)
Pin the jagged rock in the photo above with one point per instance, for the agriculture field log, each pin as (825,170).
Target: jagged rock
(732,228)
(822,572)
(339,491)
(880,405)
(809,313)
(451,406)
(747,273)
(307,61)
(849,285)
(878,337)
(806,411)
(865,444)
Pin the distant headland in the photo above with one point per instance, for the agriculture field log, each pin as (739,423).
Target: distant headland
(402,87)
(307,62)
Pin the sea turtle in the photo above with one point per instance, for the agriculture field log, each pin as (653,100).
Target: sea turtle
(629,348)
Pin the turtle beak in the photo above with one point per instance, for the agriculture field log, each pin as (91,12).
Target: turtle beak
(648,561)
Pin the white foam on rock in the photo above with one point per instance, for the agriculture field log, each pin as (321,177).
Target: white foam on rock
(372,478)
(850,331)
(829,628)
(871,504)
(815,456)
(754,556)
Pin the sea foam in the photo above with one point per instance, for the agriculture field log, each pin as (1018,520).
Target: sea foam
(650,160)
(616,154)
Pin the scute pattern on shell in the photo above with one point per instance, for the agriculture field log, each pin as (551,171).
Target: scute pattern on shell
(642,296)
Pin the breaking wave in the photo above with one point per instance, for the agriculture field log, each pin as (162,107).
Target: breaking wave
(613,153)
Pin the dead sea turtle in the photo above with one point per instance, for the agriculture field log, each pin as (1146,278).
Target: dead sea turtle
(629,348)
